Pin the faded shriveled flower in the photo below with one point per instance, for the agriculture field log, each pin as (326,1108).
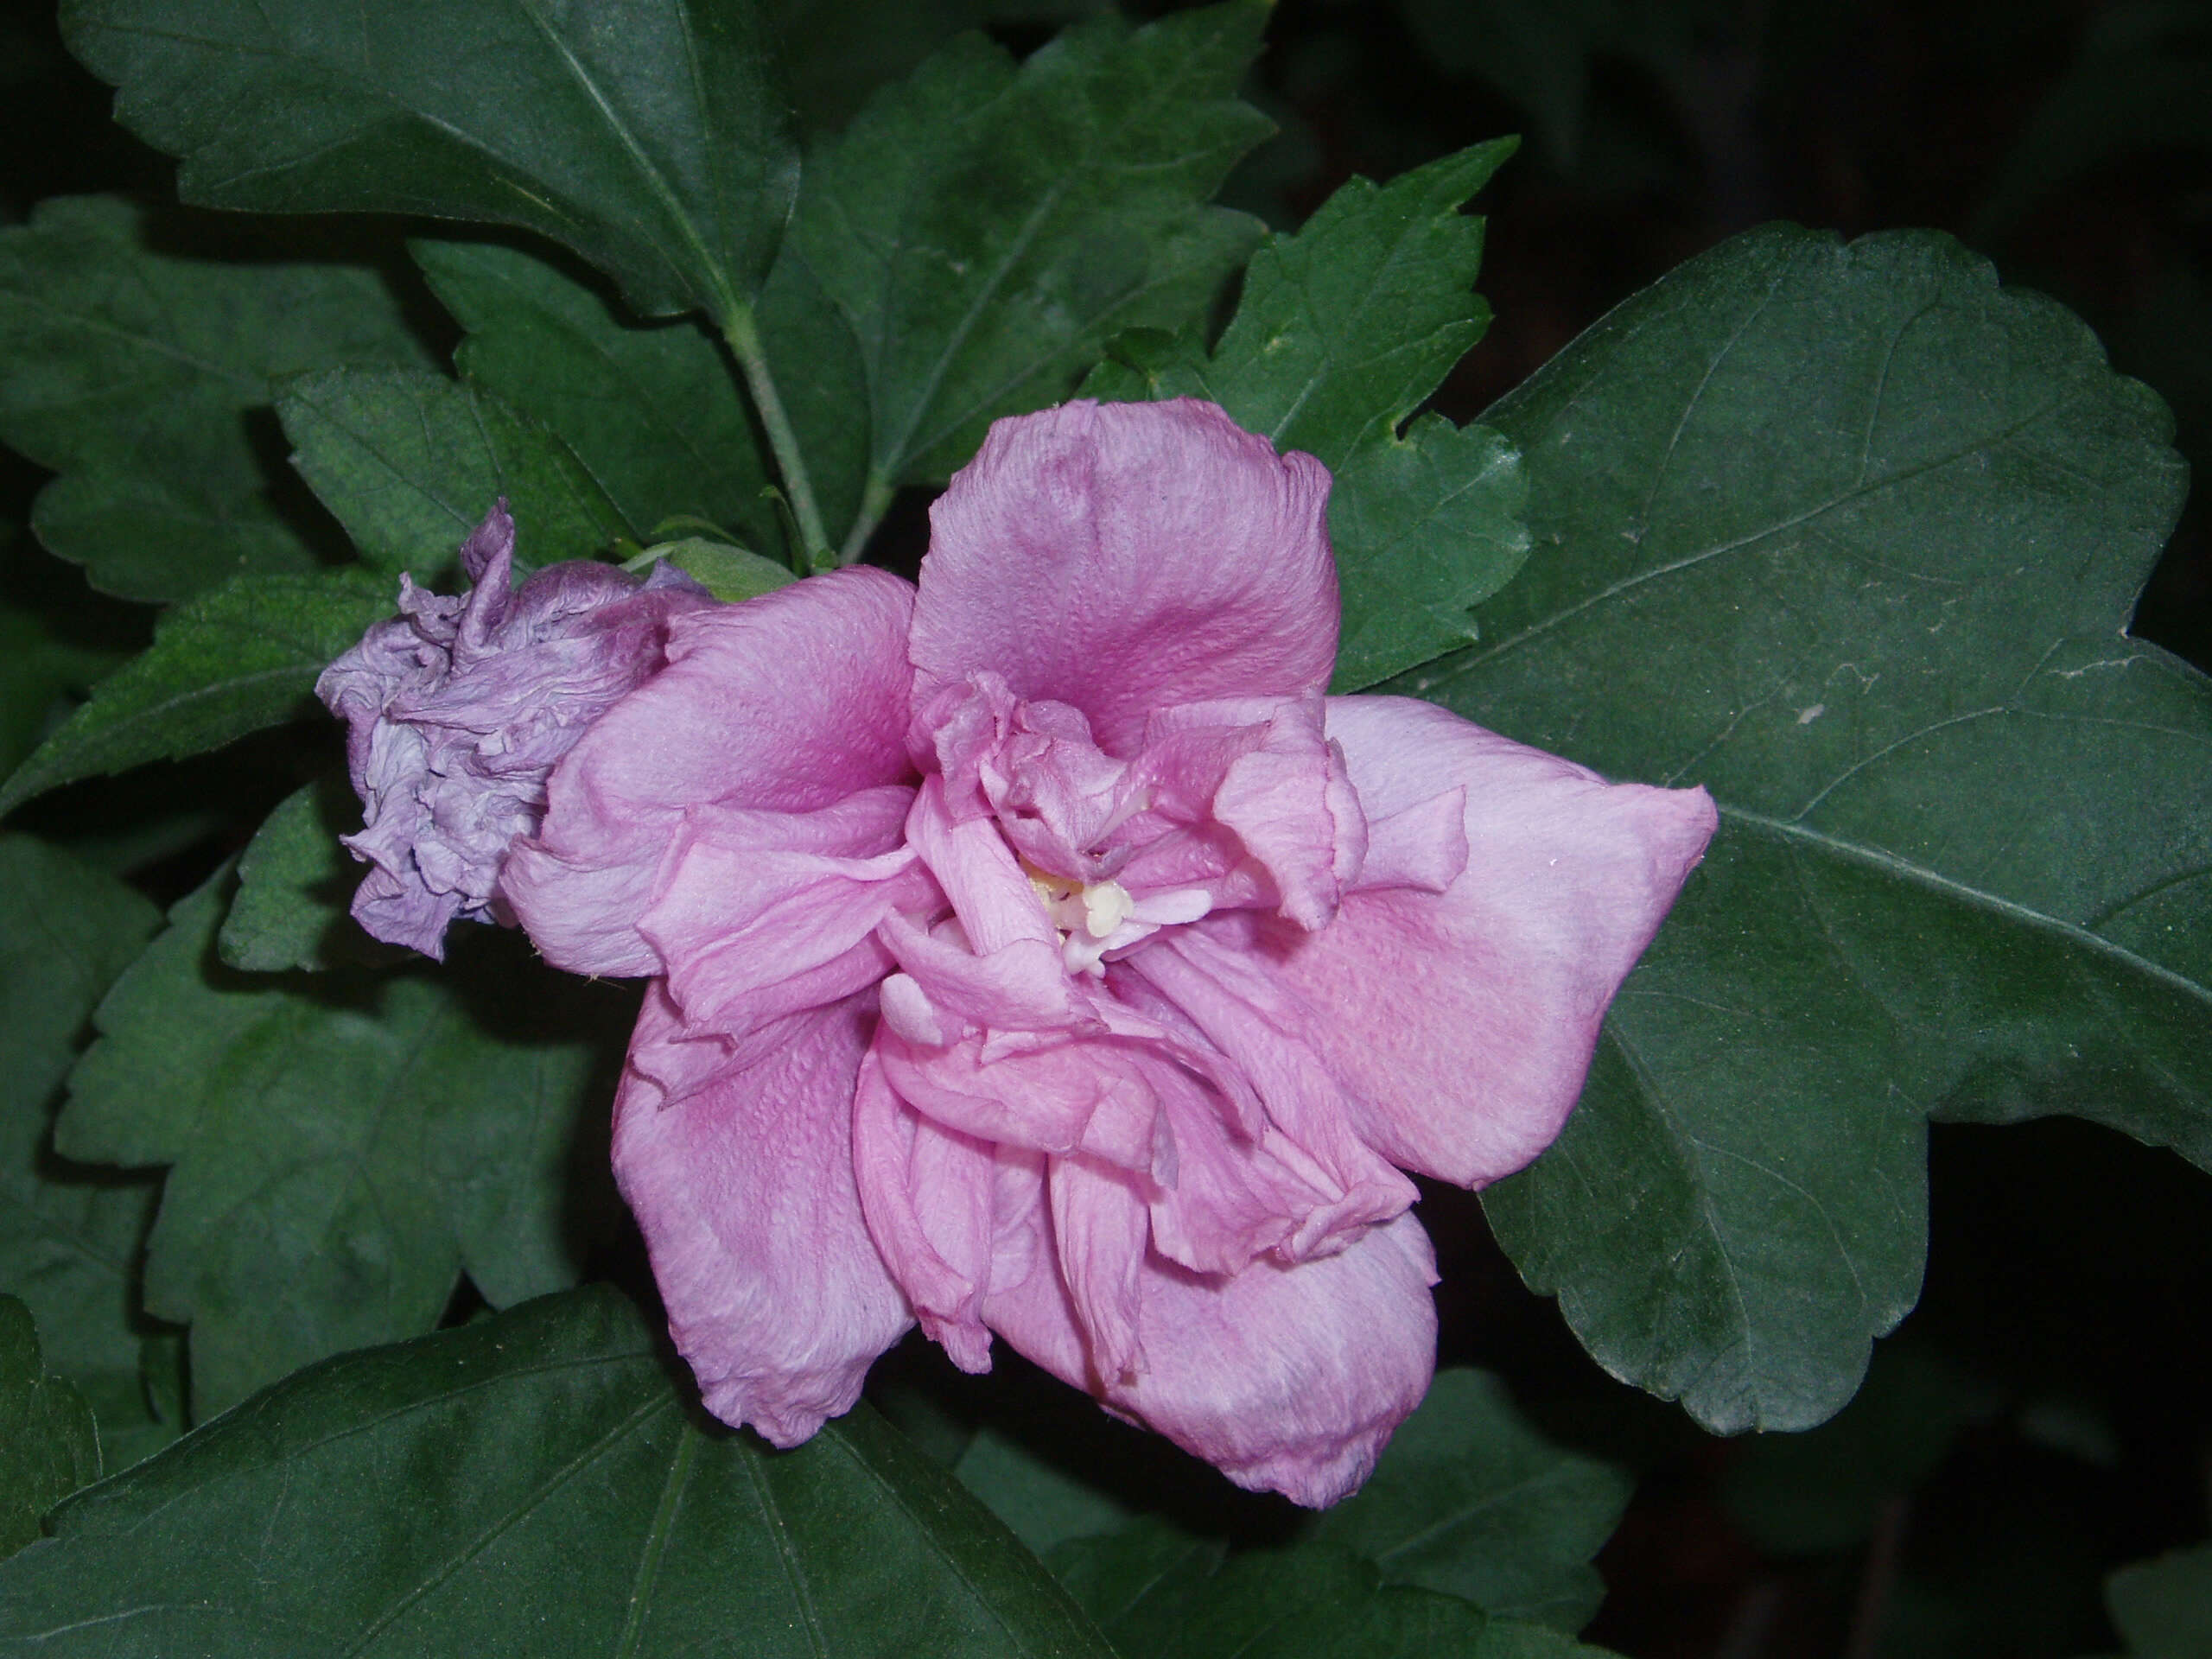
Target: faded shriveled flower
(456,710)
(1040,953)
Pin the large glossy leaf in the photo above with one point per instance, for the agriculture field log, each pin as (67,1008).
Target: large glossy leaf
(1469,1499)
(69,1238)
(1849,536)
(239,658)
(538,1483)
(294,885)
(48,1445)
(1161,1594)
(411,462)
(647,135)
(344,1146)
(652,412)
(135,375)
(983,228)
(2163,1608)
(1342,332)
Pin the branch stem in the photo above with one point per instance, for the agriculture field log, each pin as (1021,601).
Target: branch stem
(876,501)
(744,339)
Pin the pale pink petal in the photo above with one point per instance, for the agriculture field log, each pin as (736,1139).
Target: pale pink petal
(787,702)
(1122,558)
(994,901)
(744,1188)
(1461,1023)
(1101,1225)
(1289,1379)
(927,1194)
(1019,987)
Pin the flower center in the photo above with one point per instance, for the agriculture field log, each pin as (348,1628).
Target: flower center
(1095,911)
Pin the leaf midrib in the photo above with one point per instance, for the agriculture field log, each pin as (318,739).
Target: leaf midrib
(1827,844)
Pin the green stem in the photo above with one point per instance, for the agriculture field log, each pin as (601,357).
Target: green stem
(876,501)
(745,344)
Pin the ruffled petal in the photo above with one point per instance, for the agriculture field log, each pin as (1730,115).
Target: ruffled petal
(1123,558)
(744,1186)
(788,704)
(1461,1023)
(1289,1379)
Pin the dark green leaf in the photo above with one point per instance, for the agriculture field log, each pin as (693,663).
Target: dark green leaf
(49,655)
(1885,523)
(411,462)
(536,1483)
(729,573)
(1823,1492)
(1342,332)
(649,137)
(1042,1504)
(241,658)
(49,1447)
(69,1242)
(294,885)
(1468,1499)
(2164,1608)
(136,375)
(652,412)
(344,1146)
(1157,1593)
(983,229)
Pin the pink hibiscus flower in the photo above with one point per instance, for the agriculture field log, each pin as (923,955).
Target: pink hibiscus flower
(1040,953)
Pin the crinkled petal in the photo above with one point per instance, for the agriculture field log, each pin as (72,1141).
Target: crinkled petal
(788,702)
(1461,1023)
(1122,558)
(927,1194)
(744,1189)
(1289,1379)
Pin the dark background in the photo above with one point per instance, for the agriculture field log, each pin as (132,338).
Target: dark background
(2045,1415)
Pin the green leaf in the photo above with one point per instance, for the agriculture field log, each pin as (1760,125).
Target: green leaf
(411,462)
(234,660)
(1161,1594)
(2163,1608)
(294,885)
(54,643)
(1342,331)
(1822,1493)
(650,137)
(49,1445)
(1888,521)
(1469,1500)
(138,376)
(983,229)
(68,1241)
(345,1146)
(534,1483)
(729,573)
(653,413)
(1042,1504)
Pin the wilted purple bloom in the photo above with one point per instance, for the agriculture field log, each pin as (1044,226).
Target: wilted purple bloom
(458,708)
(1042,954)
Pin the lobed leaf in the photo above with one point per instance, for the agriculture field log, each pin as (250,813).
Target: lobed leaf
(69,1238)
(981,229)
(239,657)
(540,1476)
(411,462)
(49,1445)
(296,883)
(653,413)
(137,376)
(649,136)
(1342,332)
(1884,522)
(1468,1499)
(1158,1592)
(342,1148)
